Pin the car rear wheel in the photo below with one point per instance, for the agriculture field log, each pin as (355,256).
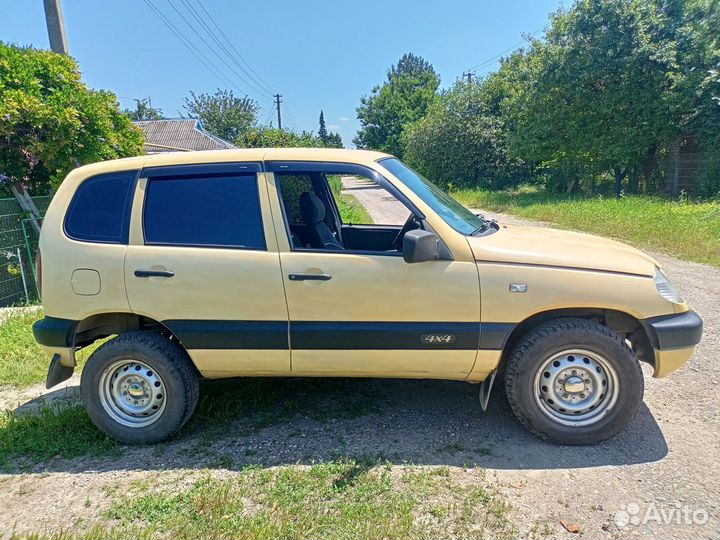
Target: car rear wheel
(139,387)
(574,381)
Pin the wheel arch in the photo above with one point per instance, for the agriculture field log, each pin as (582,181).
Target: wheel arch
(625,325)
(102,325)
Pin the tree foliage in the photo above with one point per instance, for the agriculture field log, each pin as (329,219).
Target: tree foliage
(461,143)
(222,113)
(144,111)
(322,129)
(601,88)
(51,122)
(264,137)
(404,98)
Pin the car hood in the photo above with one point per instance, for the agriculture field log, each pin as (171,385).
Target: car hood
(552,247)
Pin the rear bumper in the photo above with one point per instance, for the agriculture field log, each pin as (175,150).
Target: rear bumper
(54,332)
(57,338)
(673,339)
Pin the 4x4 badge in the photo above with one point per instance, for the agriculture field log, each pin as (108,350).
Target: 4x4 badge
(437,339)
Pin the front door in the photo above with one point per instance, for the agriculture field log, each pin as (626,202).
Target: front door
(366,312)
(203,261)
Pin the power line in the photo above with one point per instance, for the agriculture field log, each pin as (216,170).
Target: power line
(209,46)
(247,78)
(212,20)
(271,109)
(197,53)
(492,60)
(289,113)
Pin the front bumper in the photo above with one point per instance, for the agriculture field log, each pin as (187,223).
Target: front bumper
(673,339)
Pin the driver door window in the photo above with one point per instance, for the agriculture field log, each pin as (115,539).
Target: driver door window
(341,211)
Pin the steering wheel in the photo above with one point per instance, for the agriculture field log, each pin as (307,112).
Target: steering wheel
(411,224)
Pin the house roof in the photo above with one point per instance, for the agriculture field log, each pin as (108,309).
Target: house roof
(184,134)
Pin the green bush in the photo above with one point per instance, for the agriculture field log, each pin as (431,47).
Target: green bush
(51,121)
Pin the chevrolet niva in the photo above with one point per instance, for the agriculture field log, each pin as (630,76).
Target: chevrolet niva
(244,263)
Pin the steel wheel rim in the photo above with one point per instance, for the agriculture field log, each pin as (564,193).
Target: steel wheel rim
(576,387)
(132,393)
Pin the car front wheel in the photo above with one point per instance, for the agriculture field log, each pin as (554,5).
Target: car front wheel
(574,381)
(139,387)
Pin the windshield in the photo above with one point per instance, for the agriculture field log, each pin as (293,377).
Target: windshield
(453,213)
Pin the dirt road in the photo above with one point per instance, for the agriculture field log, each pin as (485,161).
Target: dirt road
(635,486)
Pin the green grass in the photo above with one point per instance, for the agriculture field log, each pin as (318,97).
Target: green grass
(22,361)
(684,229)
(331,500)
(53,431)
(351,211)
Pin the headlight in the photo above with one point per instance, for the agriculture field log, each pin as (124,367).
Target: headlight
(665,288)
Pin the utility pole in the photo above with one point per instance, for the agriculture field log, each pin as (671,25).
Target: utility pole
(55,26)
(468,75)
(277,104)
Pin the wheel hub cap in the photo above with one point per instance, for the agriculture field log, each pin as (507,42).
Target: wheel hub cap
(576,387)
(574,384)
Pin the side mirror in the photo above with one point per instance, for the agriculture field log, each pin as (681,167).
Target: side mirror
(420,246)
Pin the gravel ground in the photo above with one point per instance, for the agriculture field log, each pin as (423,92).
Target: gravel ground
(661,465)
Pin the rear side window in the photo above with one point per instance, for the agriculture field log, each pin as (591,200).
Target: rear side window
(100,209)
(211,211)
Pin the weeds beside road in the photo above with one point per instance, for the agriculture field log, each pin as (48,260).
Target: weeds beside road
(687,230)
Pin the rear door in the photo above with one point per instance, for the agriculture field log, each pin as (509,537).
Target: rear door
(203,260)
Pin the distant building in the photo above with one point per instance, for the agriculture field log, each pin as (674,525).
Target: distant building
(179,135)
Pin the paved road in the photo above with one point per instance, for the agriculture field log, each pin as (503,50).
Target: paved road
(383,208)
(668,458)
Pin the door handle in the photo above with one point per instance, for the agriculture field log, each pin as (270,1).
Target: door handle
(310,277)
(154,273)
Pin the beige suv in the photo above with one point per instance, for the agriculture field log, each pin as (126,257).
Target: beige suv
(338,263)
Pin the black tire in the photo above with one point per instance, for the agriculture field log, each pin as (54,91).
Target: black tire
(532,352)
(169,361)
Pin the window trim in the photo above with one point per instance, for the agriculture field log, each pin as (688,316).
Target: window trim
(178,172)
(126,213)
(300,167)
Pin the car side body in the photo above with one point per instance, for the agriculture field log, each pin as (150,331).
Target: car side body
(266,310)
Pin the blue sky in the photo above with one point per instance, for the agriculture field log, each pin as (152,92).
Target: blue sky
(319,55)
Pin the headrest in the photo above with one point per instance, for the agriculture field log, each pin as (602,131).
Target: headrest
(312,209)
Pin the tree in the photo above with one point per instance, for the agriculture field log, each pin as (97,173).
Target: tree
(51,122)
(222,113)
(405,97)
(461,142)
(263,137)
(598,92)
(334,140)
(322,131)
(144,111)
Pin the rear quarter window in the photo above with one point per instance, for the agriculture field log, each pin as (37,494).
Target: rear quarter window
(100,209)
(210,211)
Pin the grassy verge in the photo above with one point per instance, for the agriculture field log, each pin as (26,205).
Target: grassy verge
(351,211)
(22,361)
(54,431)
(684,229)
(330,500)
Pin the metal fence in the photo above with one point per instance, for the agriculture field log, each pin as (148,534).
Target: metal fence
(18,252)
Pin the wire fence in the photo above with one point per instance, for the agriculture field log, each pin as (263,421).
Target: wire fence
(18,252)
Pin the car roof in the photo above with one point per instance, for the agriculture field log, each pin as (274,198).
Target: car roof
(363,157)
